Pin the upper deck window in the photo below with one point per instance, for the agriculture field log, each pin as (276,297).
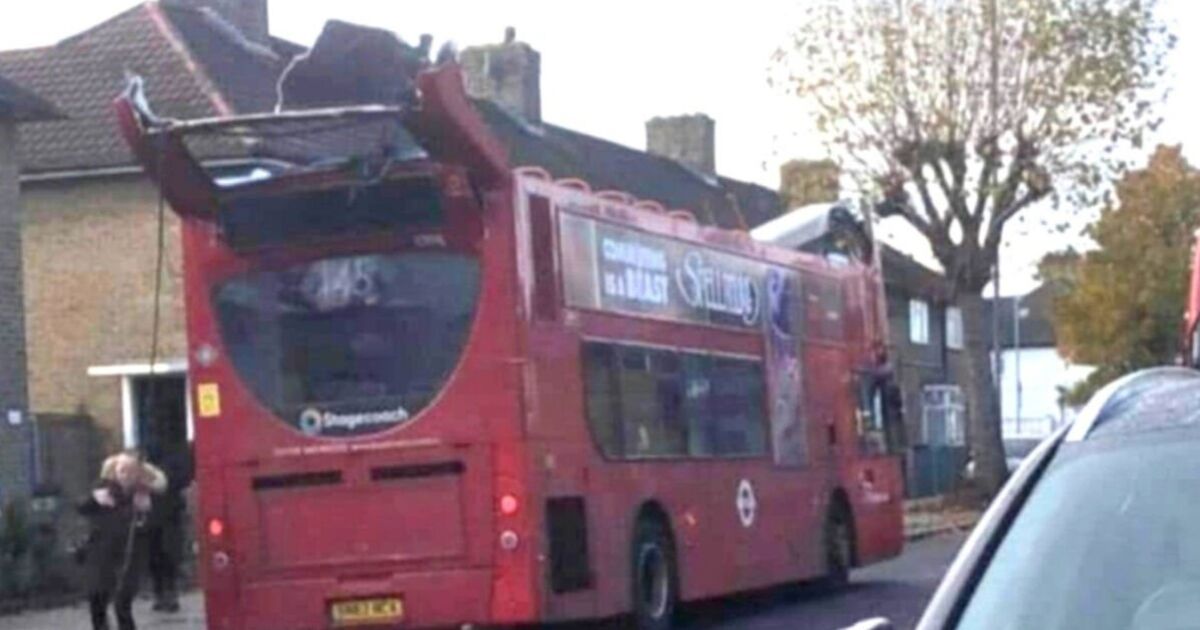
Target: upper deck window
(262,220)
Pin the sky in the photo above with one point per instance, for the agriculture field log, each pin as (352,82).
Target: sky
(608,67)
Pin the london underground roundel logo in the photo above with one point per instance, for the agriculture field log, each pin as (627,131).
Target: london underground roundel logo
(747,503)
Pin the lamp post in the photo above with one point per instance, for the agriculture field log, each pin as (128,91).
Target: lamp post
(1018,314)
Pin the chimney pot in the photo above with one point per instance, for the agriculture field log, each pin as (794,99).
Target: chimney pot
(690,140)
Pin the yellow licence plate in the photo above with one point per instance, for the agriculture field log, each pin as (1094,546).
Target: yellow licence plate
(367,611)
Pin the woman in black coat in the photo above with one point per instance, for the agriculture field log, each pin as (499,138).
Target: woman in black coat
(116,511)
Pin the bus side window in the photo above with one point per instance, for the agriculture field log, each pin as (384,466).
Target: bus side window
(697,393)
(601,399)
(545,278)
(872,432)
(651,403)
(643,402)
(736,416)
(893,416)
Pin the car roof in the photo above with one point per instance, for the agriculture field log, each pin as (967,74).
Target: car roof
(1147,400)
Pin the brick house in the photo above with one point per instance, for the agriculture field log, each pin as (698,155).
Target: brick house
(18,106)
(89,225)
(89,314)
(930,362)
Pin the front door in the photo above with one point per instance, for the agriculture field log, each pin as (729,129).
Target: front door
(161,424)
(876,481)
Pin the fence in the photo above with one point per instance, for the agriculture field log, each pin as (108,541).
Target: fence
(1031,427)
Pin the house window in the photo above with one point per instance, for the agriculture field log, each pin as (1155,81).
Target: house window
(954,328)
(943,416)
(918,321)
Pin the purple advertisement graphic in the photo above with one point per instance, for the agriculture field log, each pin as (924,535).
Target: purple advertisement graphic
(783,369)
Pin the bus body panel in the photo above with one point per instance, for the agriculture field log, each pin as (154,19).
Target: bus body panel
(717,553)
(283,533)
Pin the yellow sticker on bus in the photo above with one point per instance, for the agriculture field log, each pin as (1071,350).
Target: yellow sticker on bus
(208,395)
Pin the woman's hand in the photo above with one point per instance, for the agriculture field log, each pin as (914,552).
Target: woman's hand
(141,502)
(104,497)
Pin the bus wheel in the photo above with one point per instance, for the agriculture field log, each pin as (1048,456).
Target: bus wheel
(839,547)
(655,583)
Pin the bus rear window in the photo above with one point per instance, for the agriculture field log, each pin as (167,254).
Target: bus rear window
(262,220)
(351,345)
(646,402)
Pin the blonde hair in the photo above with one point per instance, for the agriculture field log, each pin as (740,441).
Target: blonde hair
(150,476)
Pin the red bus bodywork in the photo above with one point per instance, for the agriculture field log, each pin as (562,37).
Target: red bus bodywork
(1191,318)
(450,510)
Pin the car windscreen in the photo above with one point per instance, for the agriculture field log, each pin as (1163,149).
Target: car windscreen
(349,345)
(1109,539)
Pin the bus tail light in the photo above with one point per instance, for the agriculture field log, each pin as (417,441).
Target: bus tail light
(509,505)
(216,528)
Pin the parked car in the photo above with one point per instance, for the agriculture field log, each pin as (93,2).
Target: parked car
(1099,527)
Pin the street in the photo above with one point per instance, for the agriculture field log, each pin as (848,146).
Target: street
(897,589)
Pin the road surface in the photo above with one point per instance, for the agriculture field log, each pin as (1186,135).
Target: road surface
(897,589)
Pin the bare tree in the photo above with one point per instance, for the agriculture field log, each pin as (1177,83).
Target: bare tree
(960,114)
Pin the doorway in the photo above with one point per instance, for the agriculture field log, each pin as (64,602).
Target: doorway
(160,420)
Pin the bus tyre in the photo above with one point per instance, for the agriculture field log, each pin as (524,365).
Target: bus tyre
(655,582)
(839,547)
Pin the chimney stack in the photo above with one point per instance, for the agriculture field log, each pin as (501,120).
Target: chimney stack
(806,182)
(508,74)
(248,16)
(690,140)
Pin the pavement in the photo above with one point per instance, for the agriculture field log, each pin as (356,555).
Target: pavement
(897,589)
(921,522)
(191,617)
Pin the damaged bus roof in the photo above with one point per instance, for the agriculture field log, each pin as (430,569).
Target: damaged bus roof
(345,112)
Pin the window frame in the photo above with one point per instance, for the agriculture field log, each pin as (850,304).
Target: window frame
(955,333)
(948,399)
(918,311)
(681,351)
(285,410)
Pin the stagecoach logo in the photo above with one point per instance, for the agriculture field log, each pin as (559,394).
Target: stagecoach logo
(747,504)
(315,422)
(706,287)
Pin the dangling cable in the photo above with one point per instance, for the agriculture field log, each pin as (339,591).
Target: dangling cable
(158,274)
(137,520)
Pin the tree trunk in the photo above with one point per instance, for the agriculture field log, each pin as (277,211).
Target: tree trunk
(983,408)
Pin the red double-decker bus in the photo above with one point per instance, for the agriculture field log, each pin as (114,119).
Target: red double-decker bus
(443,391)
